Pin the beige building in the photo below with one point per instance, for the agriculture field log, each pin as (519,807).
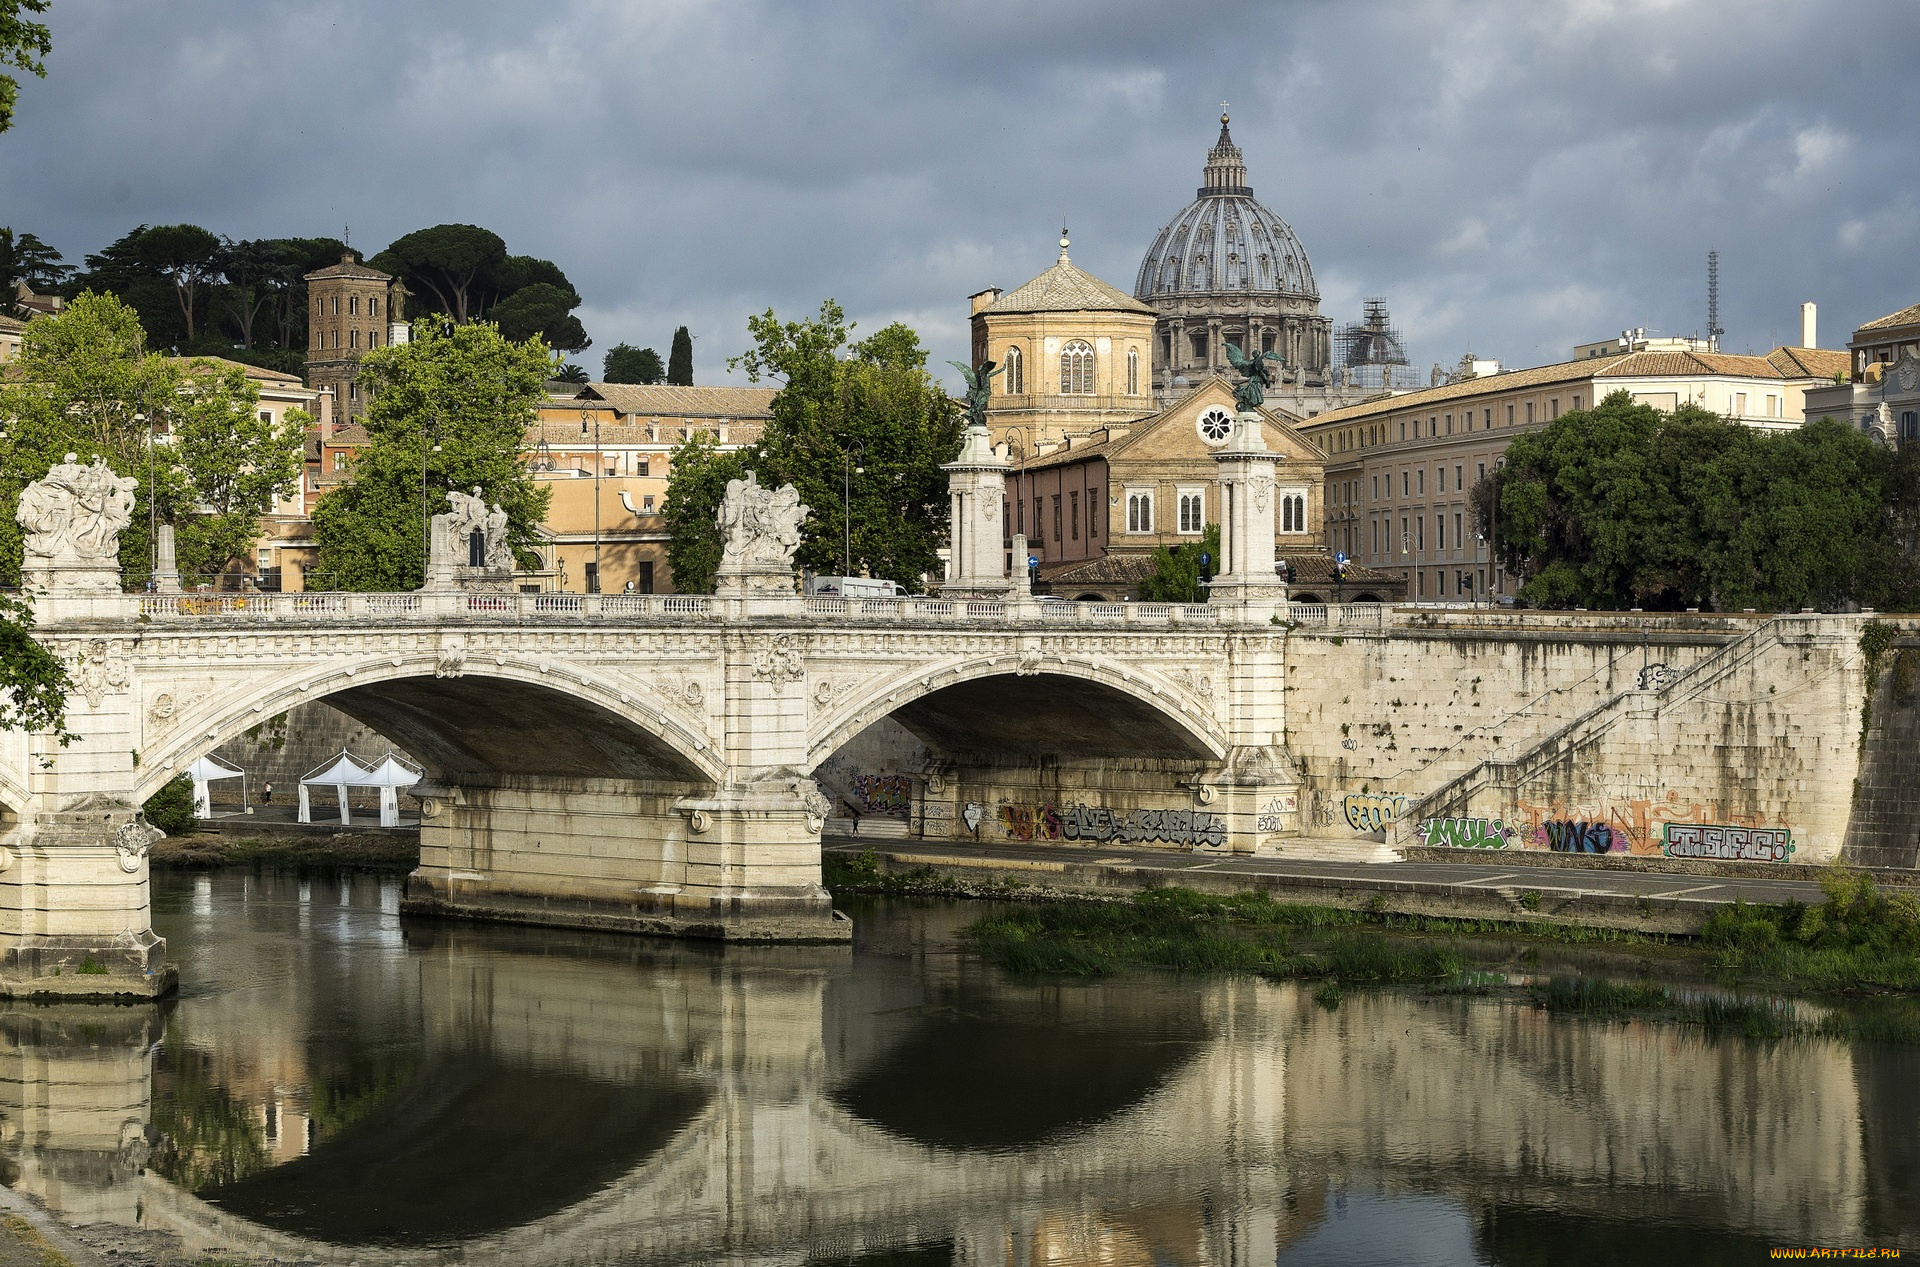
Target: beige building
(1094,509)
(1401,469)
(11,328)
(352,310)
(1878,390)
(1075,355)
(606,454)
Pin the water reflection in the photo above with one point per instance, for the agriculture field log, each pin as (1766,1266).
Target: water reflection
(339,1086)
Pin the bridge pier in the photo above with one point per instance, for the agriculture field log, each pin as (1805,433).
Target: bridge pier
(628,855)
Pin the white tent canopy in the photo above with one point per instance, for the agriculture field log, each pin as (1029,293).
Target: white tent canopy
(207,770)
(390,775)
(341,773)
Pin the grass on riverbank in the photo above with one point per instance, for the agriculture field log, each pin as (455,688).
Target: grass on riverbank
(1859,939)
(360,851)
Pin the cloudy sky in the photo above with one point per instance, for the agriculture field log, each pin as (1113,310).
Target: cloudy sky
(1513,177)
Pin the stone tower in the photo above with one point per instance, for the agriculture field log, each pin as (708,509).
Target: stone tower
(352,309)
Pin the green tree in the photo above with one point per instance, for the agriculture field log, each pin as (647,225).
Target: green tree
(627,364)
(235,463)
(1625,505)
(1176,572)
(869,405)
(22,44)
(33,682)
(571,373)
(188,256)
(680,359)
(26,259)
(455,263)
(171,808)
(449,411)
(695,488)
(86,385)
(545,310)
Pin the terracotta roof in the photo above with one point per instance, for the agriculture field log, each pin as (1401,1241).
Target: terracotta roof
(657,400)
(1905,317)
(1808,362)
(567,434)
(1127,568)
(257,372)
(13,324)
(1064,288)
(1624,365)
(350,268)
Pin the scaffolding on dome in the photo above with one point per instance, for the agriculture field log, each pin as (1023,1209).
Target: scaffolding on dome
(1372,353)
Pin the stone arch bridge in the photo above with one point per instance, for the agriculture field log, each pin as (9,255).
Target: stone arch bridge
(626,761)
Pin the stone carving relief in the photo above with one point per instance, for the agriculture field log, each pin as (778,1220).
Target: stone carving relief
(1200,684)
(161,712)
(781,659)
(1262,491)
(72,518)
(762,530)
(132,841)
(452,662)
(99,669)
(1028,664)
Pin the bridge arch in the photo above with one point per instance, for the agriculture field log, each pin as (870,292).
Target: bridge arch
(1143,713)
(511,713)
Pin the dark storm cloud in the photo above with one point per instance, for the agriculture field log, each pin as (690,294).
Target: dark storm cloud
(1512,177)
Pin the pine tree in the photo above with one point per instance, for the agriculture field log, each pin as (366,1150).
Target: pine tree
(680,359)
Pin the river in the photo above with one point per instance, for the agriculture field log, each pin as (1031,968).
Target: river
(337,1084)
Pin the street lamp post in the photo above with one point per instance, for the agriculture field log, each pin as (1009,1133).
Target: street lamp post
(429,430)
(847,471)
(594,586)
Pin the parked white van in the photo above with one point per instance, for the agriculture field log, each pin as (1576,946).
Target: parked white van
(855,587)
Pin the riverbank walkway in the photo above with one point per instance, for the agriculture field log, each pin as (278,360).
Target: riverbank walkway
(1484,888)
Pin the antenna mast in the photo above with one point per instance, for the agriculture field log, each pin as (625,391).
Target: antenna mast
(1713,302)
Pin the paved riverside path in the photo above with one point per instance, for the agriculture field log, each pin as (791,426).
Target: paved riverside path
(1650,900)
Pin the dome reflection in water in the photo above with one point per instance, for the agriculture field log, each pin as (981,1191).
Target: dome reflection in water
(336,1084)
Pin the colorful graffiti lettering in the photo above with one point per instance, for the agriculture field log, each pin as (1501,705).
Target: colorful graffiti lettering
(889,794)
(1466,833)
(1732,844)
(1101,824)
(1569,836)
(1372,812)
(1636,823)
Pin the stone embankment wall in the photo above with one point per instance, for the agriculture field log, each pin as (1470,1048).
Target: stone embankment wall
(1885,831)
(1749,755)
(1376,720)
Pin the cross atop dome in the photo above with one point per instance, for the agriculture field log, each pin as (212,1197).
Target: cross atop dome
(1226,171)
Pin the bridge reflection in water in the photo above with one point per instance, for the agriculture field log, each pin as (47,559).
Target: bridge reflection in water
(344,1088)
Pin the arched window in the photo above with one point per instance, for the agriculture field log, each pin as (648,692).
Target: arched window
(1076,369)
(373,307)
(1133,372)
(1014,381)
(353,305)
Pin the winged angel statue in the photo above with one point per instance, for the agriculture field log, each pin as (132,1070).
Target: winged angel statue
(979,389)
(1250,393)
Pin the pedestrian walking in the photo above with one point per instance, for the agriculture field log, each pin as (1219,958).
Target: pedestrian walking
(266,795)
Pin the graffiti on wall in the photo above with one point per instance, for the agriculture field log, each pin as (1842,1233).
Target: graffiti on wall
(1101,825)
(887,794)
(1466,833)
(1567,835)
(1372,812)
(1633,824)
(1728,843)
(1273,815)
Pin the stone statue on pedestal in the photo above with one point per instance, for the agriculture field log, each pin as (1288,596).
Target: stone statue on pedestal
(467,546)
(73,517)
(1249,395)
(762,530)
(979,390)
